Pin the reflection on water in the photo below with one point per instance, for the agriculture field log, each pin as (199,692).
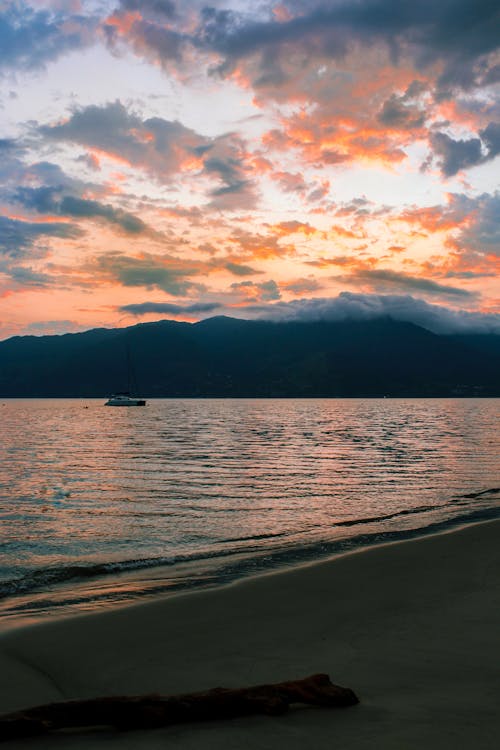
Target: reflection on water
(87,491)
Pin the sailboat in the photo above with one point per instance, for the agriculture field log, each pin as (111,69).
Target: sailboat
(124,398)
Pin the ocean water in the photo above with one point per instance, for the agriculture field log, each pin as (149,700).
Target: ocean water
(103,506)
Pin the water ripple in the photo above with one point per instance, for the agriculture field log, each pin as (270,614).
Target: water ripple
(85,488)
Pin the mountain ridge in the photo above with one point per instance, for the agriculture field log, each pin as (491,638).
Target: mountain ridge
(231,357)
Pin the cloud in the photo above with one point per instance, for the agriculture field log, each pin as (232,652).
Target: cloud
(47,200)
(240,270)
(427,31)
(456,155)
(31,38)
(79,207)
(150,271)
(163,148)
(285,228)
(385,278)
(480,230)
(472,223)
(160,8)
(23,276)
(159,146)
(44,188)
(260,246)
(267,46)
(351,306)
(50,327)
(37,186)
(401,113)
(225,159)
(17,237)
(491,139)
(265,291)
(8,144)
(149,29)
(145,308)
(302,286)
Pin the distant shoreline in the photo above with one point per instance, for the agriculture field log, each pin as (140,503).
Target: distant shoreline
(242,398)
(234,358)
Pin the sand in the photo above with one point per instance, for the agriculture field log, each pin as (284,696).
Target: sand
(412,627)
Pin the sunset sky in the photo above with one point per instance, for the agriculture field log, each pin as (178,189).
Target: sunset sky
(168,159)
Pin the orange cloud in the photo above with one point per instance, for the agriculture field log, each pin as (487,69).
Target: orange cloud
(257,246)
(100,154)
(432,219)
(285,228)
(123,22)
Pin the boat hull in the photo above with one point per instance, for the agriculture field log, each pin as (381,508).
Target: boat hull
(124,401)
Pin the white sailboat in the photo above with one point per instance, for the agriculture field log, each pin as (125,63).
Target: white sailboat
(124,398)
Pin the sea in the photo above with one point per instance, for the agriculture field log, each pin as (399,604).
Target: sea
(102,506)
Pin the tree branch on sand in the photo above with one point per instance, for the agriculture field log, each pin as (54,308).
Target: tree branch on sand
(153,711)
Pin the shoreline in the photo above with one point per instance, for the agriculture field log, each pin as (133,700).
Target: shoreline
(411,626)
(133,586)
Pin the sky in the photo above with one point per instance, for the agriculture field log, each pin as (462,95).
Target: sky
(289,160)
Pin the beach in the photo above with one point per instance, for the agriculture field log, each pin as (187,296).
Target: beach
(412,627)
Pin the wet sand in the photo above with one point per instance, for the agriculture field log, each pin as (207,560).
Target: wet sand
(413,627)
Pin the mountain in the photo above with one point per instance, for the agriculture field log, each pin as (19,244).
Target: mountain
(224,356)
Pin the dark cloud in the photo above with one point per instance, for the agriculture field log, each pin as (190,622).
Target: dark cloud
(8,145)
(40,199)
(59,194)
(157,145)
(154,32)
(350,306)
(25,276)
(302,286)
(491,139)
(269,290)
(385,278)
(225,160)
(234,196)
(162,148)
(90,160)
(154,143)
(17,237)
(144,308)
(52,327)
(227,170)
(356,207)
(161,8)
(476,224)
(240,270)
(265,291)
(457,33)
(152,272)
(402,112)
(152,40)
(79,207)
(481,218)
(48,200)
(18,179)
(455,155)
(31,38)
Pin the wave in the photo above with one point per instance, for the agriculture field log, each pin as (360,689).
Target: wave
(254,559)
(389,516)
(473,495)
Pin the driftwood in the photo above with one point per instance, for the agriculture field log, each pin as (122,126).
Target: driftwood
(152,711)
